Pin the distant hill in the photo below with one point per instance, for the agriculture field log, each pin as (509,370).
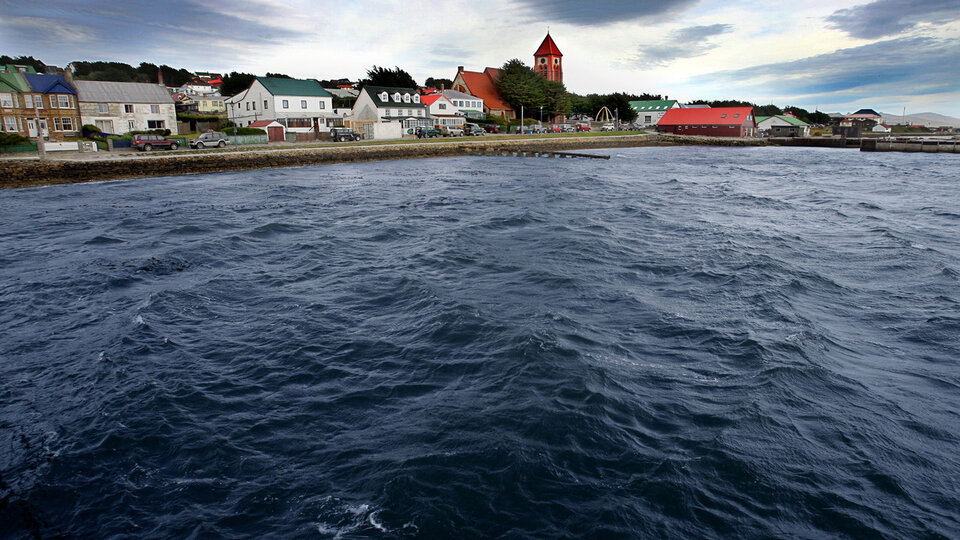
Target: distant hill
(928,119)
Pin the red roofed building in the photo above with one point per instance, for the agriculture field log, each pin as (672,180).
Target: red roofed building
(483,85)
(547,61)
(713,122)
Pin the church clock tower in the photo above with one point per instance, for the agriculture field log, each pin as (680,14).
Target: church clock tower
(548,60)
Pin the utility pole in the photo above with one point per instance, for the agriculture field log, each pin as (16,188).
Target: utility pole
(521,119)
(541,117)
(41,150)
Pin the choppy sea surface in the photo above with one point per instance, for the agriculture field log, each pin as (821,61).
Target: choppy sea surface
(675,343)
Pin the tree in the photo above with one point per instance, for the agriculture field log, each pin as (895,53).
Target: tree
(278,75)
(522,88)
(23,61)
(396,77)
(767,110)
(234,83)
(437,83)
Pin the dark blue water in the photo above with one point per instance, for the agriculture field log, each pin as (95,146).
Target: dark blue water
(677,343)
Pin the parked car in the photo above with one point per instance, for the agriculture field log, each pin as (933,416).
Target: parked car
(451,131)
(555,128)
(473,129)
(211,138)
(566,128)
(341,134)
(607,127)
(583,126)
(491,128)
(427,133)
(147,143)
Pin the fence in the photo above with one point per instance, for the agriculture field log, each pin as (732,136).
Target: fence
(250,139)
(32,147)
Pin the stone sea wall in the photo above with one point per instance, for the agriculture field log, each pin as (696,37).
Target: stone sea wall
(28,173)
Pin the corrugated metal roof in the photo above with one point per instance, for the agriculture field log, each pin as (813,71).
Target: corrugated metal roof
(121,92)
(482,85)
(49,84)
(654,105)
(455,94)
(725,116)
(13,82)
(280,86)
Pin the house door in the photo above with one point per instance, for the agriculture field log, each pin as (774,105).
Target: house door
(31,127)
(44,132)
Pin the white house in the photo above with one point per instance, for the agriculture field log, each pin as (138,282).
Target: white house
(650,112)
(881,128)
(377,104)
(470,106)
(121,107)
(442,111)
(300,105)
(783,125)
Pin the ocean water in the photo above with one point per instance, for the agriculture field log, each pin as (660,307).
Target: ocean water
(675,343)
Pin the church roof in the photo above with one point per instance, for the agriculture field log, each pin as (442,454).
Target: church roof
(483,85)
(548,47)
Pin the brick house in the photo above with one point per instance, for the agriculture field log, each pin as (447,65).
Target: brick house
(54,103)
(13,115)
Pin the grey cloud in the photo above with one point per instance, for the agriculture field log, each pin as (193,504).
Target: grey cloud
(684,43)
(899,66)
(890,17)
(600,12)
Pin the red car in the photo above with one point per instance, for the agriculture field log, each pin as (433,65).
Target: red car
(147,143)
(491,128)
(583,127)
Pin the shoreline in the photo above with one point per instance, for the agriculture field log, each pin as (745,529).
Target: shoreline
(32,172)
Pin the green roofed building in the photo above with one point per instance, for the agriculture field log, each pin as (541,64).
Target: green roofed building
(650,112)
(300,105)
(782,125)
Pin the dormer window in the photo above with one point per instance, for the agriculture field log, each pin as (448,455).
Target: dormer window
(416,98)
(724,115)
(396,97)
(384,96)
(736,115)
(406,98)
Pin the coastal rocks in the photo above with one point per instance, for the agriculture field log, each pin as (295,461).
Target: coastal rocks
(28,173)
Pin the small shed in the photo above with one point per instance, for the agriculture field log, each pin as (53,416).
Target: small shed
(275,130)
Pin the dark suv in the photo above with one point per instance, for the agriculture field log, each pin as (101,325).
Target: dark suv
(147,143)
(343,134)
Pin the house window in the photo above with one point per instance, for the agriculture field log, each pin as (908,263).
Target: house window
(383,96)
(736,115)
(10,123)
(442,106)
(155,109)
(419,112)
(155,124)
(37,101)
(322,104)
(248,105)
(303,104)
(28,101)
(254,105)
(65,102)
(128,109)
(103,108)
(406,98)
(416,98)
(265,106)
(6,100)
(409,112)
(724,115)
(131,125)
(56,124)
(286,104)
(648,119)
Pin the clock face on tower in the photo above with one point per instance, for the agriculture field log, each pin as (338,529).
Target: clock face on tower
(547,60)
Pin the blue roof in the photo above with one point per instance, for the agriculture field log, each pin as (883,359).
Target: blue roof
(49,84)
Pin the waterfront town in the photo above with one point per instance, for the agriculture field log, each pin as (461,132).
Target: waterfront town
(64,108)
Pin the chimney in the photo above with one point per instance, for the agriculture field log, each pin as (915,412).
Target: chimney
(68,74)
(160,77)
(459,69)
(441,87)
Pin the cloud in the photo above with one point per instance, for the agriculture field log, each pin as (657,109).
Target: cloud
(891,17)
(601,12)
(915,66)
(684,43)
(135,29)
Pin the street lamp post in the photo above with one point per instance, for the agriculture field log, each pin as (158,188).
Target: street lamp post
(521,119)
(541,117)
(41,150)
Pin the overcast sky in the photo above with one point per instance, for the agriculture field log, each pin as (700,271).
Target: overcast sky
(834,55)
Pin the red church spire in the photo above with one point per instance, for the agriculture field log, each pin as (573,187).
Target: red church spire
(547,61)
